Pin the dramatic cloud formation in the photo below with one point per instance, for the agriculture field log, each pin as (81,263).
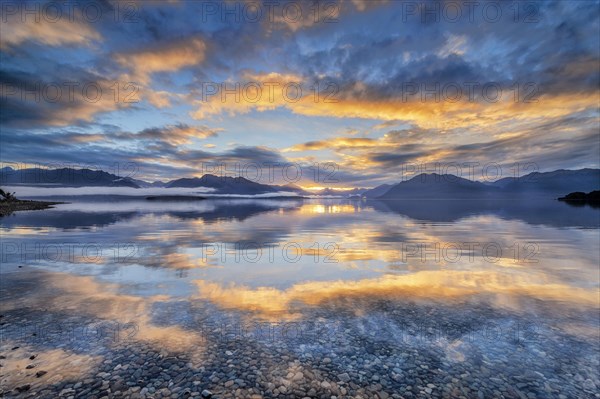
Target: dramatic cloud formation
(368,85)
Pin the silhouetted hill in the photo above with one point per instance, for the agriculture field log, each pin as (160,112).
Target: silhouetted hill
(225,185)
(424,186)
(580,198)
(377,191)
(435,186)
(551,184)
(533,185)
(63,177)
(145,184)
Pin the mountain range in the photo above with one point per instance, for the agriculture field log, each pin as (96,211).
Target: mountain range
(64,177)
(424,186)
(536,184)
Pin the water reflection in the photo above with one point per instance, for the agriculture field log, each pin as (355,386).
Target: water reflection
(175,273)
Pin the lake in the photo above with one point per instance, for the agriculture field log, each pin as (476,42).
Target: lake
(300,298)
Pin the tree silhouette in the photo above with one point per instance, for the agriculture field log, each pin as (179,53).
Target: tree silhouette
(6,196)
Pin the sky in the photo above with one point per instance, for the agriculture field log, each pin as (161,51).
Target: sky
(321,94)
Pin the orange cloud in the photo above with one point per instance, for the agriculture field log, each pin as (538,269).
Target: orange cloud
(43,29)
(168,57)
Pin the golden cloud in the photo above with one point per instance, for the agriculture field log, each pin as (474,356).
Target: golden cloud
(168,57)
(17,29)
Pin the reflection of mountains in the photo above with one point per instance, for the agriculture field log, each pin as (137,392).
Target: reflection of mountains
(73,219)
(545,212)
(230,211)
(65,219)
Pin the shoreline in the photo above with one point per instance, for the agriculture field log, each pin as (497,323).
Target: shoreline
(7,208)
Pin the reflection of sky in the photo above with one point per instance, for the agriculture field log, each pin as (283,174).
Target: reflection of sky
(151,271)
(281,251)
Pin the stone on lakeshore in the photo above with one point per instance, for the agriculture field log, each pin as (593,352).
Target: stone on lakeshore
(23,388)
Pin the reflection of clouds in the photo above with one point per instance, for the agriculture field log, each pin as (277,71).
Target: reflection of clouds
(169,258)
(61,365)
(501,287)
(62,292)
(368,242)
(170,262)
(25,231)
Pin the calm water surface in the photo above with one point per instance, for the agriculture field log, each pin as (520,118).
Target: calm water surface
(301,298)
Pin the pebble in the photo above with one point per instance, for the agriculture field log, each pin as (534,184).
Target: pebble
(359,361)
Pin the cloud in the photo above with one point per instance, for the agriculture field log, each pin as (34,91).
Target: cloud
(58,97)
(368,56)
(339,143)
(254,91)
(174,135)
(163,57)
(160,99)
(19,27)
(386,124)
(454,45)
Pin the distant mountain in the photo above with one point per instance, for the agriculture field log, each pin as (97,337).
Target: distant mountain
(291,188)
(533,185)
(551,184)
(229,185)
(435,186)
(145,184)
(377,191)
(424,186)
(67,177)
(63,177)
